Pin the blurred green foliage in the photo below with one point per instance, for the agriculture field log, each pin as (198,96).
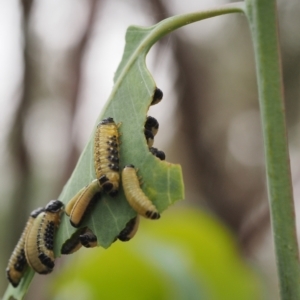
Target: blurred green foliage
(187,254)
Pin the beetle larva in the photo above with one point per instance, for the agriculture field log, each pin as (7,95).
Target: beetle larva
(17,263)
(130,229)
(135,196)
(106,156)
(79,205)
(40,238)
(152,125)
(82,237)
(157,96)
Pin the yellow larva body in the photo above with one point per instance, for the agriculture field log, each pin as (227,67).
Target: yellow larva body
(17,263)
(82,237)
(135,196)
(106,156)
(40,238)
(130,229)
(78,206)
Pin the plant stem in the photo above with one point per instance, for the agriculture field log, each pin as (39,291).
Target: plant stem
(262,17)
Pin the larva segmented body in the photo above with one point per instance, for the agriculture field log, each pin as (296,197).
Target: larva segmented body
(130,229)
(106,156)
(40,238)
(79,205)
(17,263)
(135,196)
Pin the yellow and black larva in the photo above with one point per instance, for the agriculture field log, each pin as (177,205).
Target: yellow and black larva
(158,153)
(157,96)
(106,156)
(135,196)
(79,205)
(17,263)
(152,125)
(40,238)
(82,237)
(130,229)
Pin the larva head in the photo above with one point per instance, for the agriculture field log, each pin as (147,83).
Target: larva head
(110,183)
(158,95)
(88,239)
(107,121)
(54,206)
(152,125)
(36,212)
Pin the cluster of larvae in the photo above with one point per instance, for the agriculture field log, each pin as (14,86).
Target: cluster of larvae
(35,247)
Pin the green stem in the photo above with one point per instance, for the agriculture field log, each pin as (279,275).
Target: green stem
(262,17)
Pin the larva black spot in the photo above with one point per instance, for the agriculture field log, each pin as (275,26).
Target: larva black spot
(82,237)
(17,263)
(135,196)
(152,125)
(130,229)
(80,204)
(158,95)
(40,238)
(106,155)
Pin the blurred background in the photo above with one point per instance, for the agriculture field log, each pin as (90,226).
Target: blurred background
(57,62)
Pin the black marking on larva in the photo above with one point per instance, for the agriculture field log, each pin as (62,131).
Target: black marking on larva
(152,125)
(114,167)
(127,233)
(46,261)
(158,95)
(112,151)
(103,179)
(54,206)
(88,239)
(113,158)
(106,121)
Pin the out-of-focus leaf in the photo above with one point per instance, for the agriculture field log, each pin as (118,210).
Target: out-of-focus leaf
(185,255)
